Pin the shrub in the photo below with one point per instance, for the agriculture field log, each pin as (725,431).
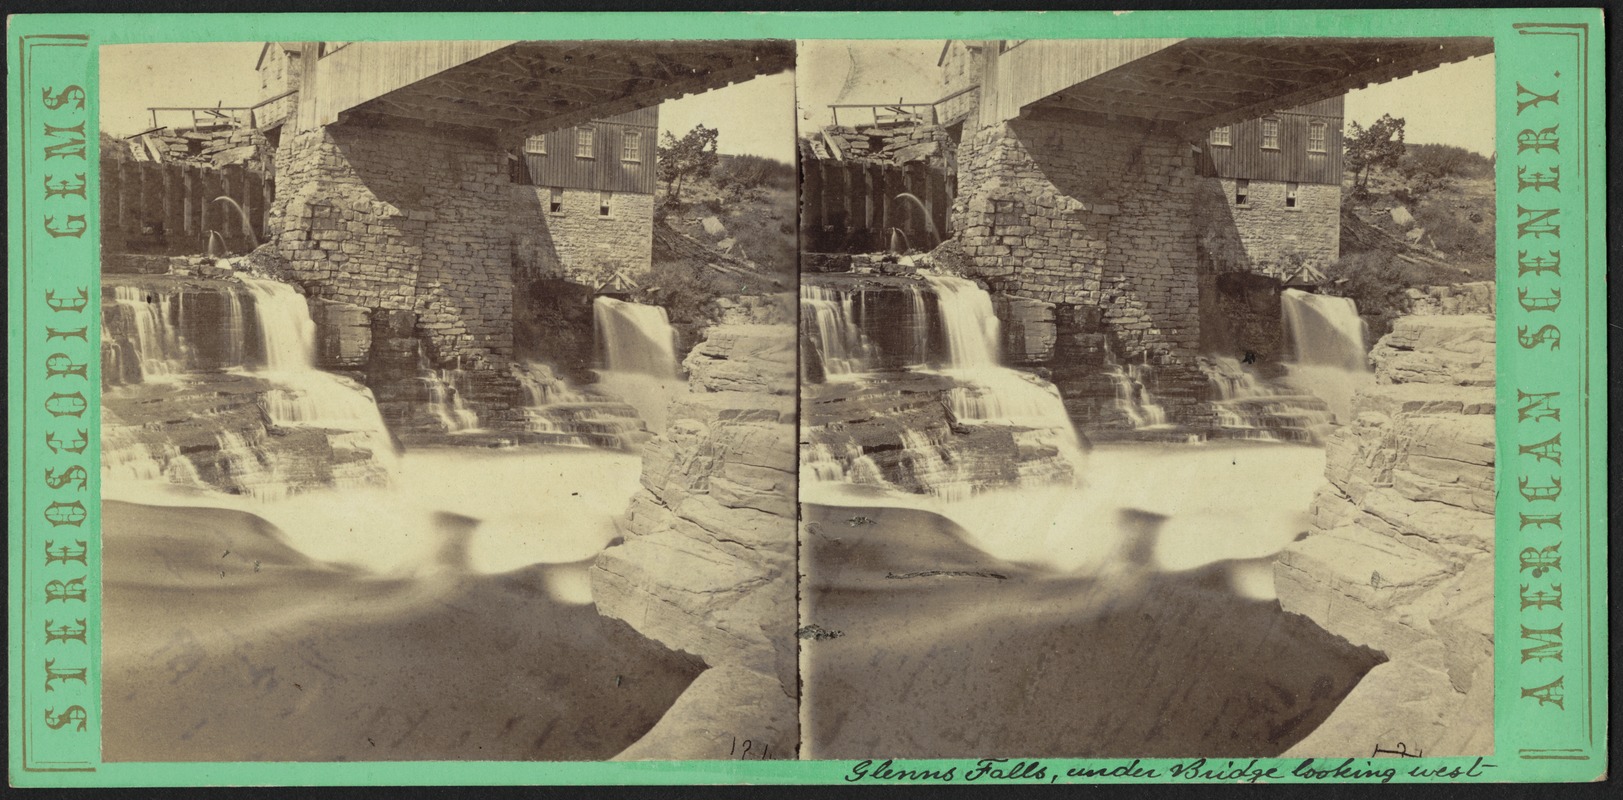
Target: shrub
(1377,282)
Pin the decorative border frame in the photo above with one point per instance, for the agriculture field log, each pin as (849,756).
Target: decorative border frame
(1550,599)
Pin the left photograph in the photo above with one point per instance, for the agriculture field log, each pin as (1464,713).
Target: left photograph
(448,400)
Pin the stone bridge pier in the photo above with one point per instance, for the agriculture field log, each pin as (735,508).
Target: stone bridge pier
(396,208)
(1098,222)
(1103,186)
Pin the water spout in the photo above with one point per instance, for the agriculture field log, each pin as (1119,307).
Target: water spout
(934,234)
(247,224)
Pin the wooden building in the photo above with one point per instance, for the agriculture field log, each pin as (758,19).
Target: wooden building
(1297,145)
(614,154)
(280,68)
(593,187)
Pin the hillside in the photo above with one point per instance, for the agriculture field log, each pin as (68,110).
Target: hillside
(1439,204)
(731,234)
(1428,222)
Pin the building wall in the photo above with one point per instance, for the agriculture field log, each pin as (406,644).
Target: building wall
(404,220)
(576,243)
(552,159)
(1266,235)
(1292,160)
(1100,222)
(280,71)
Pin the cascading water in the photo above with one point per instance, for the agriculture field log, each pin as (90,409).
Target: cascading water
(304,395)
(565,415)
(1325,330)
(445,397)
(989,392)
(1133,397)
(831,314)
(159,348)
(636,346)
(1328,341)
(632,337)
(1248,407)
(934,343)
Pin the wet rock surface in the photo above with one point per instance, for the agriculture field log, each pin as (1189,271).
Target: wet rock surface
(939,650)
(706,565)
(1400,556)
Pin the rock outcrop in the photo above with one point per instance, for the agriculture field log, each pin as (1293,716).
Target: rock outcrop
(707,561)
(1400,556)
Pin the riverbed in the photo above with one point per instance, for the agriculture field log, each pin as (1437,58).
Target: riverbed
(1130,616)
(447,617)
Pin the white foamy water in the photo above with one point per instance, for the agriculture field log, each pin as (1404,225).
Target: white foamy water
(522,507)
(1190,505)
(1329,343)
(304,395)
(987,392)
(637,347)
(632,337)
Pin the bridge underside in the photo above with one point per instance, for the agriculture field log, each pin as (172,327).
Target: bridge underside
(1195,85)
(527,88)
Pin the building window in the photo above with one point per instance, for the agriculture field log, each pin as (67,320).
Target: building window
(603,205)
(1223,135)
(1270,134)
(1315,137)
(555,203)
(584,144)
(631,149)
(1241,188)
(536,145)
(1290,194)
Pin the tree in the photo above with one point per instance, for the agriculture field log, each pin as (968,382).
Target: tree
(693,155)
(1380,146)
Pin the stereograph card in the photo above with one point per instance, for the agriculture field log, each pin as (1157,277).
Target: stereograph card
(807,398)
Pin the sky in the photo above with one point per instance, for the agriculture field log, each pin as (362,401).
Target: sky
(755,117)
(1452,104)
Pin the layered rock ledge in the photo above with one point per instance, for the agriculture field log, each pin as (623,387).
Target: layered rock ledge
(1400,555)
(707,561)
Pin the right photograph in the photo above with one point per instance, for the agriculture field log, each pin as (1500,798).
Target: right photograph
(1147,392)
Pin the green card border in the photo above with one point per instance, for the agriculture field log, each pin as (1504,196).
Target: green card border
(1541,734)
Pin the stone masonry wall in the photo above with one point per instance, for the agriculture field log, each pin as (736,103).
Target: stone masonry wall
(1092,218)
(578,244)
(403,220)
(1271,234)
(893,144)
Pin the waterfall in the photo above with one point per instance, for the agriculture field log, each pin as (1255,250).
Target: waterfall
(304,395)
(159,347)
(287,334)
(1133,398)
(987,392)
(637,347)
(1327,339)
(1324,330)
(632,337)
(561,414)
(1248,407)
(830,316)
(445,397)
(972,328)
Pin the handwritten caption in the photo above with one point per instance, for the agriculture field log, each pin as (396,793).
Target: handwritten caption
(1201,769)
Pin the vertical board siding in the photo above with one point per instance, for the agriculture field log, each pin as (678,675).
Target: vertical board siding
(1042,67)
(362,71)
(1246,157)
(179,199)
(850,206)
(606,171)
